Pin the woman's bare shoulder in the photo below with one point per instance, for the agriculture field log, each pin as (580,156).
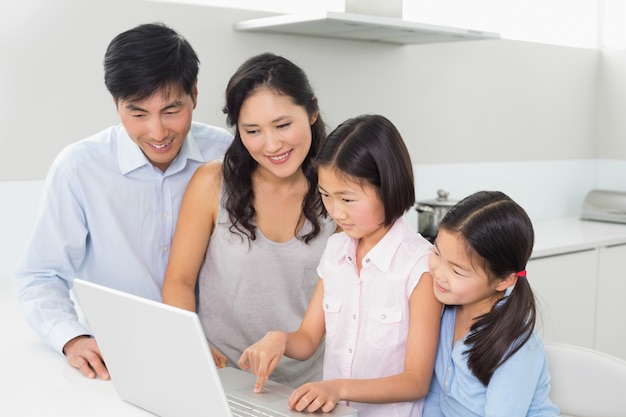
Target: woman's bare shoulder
(209,174)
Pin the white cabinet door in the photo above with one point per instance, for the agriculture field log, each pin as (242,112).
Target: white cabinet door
(611,302)
(565,289)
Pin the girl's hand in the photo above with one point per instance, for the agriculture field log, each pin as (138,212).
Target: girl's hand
(262,357)
(314,396)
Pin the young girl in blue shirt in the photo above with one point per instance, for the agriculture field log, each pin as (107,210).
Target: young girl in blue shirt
(490,360)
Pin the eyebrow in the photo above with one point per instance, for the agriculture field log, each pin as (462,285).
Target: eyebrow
(135,107)
(276,120)
(457,265)
(341,193)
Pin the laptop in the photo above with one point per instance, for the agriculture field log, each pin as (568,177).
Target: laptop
(159,359)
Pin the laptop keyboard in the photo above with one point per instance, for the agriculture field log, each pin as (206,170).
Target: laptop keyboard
(242,409)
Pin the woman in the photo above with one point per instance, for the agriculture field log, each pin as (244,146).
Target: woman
(252,228)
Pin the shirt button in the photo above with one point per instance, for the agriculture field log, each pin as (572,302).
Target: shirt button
(367,260)
(326,306)
(354,317)
(165,215)
(165,248)
(350,350)
(383,316)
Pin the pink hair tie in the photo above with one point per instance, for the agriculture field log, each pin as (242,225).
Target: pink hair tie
(521,273)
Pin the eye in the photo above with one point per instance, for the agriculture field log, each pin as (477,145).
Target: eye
(460,272)
(323,194)
(283,126)
(251,132)
(172,112)
(347,200)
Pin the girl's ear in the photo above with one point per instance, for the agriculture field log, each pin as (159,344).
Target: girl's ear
(506,283)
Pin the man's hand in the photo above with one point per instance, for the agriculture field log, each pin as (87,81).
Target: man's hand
(83,353)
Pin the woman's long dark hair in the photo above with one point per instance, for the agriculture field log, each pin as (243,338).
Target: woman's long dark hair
(499,235)
(282,76)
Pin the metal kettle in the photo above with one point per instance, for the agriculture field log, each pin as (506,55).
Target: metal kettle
(430,213)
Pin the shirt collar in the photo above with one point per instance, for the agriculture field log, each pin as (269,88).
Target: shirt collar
(383,252)
(130,156)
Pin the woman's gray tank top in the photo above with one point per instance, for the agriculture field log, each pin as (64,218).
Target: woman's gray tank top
(245,290)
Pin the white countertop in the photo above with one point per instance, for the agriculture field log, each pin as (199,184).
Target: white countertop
(557,236)
(35,380)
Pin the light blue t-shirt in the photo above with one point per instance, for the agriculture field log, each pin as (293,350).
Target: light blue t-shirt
(107,215)
(520,387)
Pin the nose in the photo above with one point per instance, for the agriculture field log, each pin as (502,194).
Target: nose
(433,265)
(273,143)
(157,129)
(336,210)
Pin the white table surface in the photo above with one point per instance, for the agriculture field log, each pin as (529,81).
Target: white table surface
(35,380)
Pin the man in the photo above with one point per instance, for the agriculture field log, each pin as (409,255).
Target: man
(111,201)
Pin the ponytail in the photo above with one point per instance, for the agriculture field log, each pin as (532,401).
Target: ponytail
(497,335)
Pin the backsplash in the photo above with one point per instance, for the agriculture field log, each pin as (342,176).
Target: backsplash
(546,189)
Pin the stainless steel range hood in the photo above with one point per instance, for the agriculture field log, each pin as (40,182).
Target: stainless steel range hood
(363,27)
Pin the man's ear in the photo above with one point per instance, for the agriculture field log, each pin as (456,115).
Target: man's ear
(194,95)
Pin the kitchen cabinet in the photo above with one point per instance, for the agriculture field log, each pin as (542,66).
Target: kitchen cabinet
(578,274)
(611,307)
(565,289)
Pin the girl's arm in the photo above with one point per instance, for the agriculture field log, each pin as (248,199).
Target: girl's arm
(263,356)
(410,385)
(194,227)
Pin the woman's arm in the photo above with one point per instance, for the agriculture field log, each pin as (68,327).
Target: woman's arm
(194,227)
(263,356)
(409,385)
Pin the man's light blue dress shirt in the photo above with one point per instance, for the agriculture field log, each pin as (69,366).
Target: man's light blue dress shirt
(107,215)
(520,387)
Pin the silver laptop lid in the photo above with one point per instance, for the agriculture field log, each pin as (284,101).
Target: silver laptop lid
(157,354)
(159,359)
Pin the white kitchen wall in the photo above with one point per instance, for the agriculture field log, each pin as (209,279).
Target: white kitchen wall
(18,211)
(460,102)
(509,115)
(546,189)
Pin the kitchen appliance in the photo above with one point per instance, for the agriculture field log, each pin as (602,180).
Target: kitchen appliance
(363,20)
(430,213)
(605,205)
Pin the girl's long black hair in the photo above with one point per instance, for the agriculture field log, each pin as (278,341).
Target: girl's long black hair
(499,235)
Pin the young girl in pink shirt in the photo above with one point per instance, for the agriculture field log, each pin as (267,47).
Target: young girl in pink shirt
(374,300)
